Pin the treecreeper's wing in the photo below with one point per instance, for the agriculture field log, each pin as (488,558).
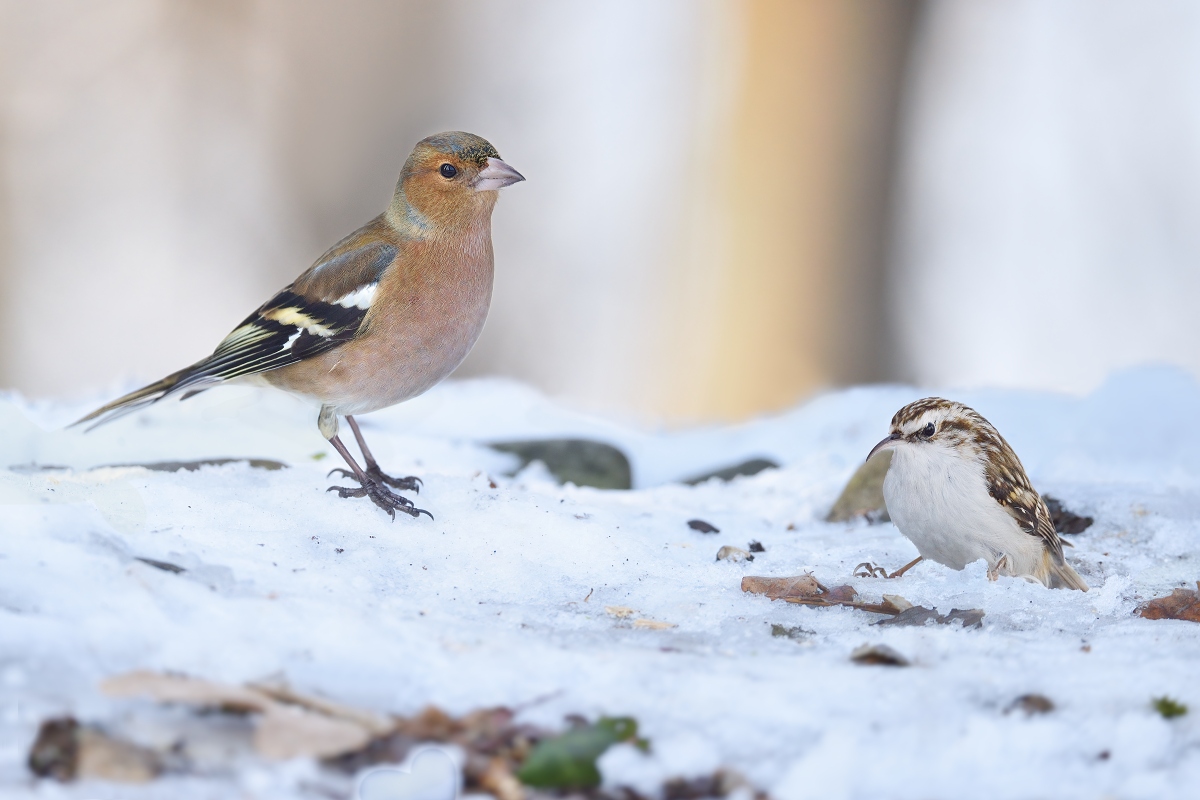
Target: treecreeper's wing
(323,308)
(1010,487)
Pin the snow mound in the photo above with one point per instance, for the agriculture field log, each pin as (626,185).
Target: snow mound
(502,600)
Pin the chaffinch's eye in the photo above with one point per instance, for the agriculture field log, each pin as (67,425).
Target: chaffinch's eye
(927,431)
(449,170)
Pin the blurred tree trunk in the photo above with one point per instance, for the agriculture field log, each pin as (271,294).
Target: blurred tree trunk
(789,236)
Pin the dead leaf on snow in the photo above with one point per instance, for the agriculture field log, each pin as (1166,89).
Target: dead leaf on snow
(879,654)
(919,616)
(182,689)
(653,624)
(1179,604)
(498,780)
(620,612)
(285,731)
(781,588)
(278,690)
(66,750)
(806,590)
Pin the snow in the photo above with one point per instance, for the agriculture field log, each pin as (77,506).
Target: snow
(501,600)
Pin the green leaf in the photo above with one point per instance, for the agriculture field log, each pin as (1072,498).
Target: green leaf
(568,761)
(1169,708)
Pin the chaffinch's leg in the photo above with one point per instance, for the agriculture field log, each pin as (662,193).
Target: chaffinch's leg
(368,487)
(408,484)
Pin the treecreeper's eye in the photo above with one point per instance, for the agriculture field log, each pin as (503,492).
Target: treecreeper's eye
(927,431)
(449,170)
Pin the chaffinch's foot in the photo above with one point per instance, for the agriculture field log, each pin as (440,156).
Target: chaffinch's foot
(379,494)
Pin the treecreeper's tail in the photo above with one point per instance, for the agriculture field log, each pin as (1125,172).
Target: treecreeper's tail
(1062,575)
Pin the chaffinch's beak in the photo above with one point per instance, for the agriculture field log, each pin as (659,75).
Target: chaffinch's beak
(886,444)
(496,175)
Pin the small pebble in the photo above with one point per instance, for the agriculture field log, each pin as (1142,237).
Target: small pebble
(734,554)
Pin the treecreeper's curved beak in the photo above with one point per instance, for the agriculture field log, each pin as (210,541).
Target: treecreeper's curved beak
(886,444)
(496,175)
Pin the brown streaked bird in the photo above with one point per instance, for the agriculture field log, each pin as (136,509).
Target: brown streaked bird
(383,316)
(959,493)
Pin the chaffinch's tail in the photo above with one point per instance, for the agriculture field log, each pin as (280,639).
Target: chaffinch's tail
(147,395)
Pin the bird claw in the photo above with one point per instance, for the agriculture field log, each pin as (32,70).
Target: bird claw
(993,573)
(870,570)
(410,483)
(380,495)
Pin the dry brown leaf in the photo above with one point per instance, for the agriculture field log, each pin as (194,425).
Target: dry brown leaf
(66,751)
(182,689)
(653,624)
(802,589)
(376,724)
(806,590)
(779,588)
(499,781)
(620,612)
(879,654)
(431,725)
(285,731)
(1179,604)
(104,758)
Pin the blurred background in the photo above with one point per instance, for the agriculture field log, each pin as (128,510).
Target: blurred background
(729,206)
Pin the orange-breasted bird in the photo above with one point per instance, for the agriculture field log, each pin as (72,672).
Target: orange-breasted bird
(383,316)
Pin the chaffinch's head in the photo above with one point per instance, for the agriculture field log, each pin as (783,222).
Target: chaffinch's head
(449,180)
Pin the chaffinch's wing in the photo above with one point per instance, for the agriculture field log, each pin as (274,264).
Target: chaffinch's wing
(323,308)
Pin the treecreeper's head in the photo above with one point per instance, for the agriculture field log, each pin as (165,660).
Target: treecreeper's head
(943,424)
(451,178)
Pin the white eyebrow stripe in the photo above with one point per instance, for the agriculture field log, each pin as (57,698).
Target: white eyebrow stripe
(359,298)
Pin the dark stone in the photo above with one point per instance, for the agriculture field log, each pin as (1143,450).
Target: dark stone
(1031,704)
(863,493)
(165,566)
(1066,521)
(579,461)
(192,466)
(746,468)
(55,751)
(756,547)
(702,526)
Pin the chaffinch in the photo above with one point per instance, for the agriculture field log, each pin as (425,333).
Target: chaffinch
(383,316)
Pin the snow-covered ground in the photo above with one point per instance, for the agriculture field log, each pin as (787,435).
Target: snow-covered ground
(501,600)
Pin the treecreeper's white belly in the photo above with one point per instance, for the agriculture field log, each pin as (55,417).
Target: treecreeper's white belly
(940,502)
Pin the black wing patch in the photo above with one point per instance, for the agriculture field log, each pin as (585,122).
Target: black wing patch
(287,330)
(291,327)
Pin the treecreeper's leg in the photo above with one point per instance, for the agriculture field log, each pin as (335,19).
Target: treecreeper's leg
(410,483)
(869,570)
(369,486)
